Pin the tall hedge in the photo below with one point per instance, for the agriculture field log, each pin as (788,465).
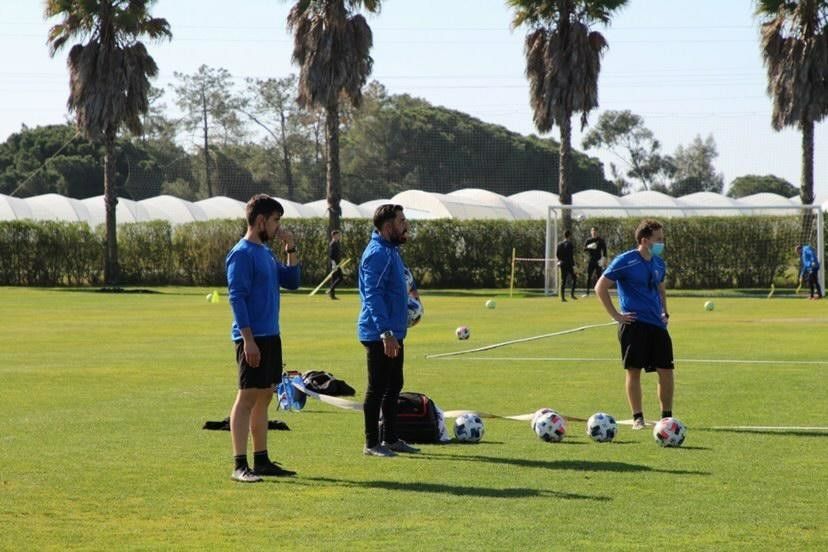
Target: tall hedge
(702,252)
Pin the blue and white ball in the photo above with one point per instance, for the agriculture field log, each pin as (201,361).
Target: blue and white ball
(468,428)
(550,427)
(601,427)
(462,333)
(415,311)
(669,432)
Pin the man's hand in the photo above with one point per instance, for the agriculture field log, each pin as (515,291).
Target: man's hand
(252,355)
(391,347)
(624,317)
(286,236)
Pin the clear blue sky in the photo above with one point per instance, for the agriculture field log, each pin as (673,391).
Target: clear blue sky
(687,67)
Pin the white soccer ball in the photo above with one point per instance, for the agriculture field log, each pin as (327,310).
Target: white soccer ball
(490,304)
(415,311)
(601,427)
(669,432)
(551,427)
(538,413)
(462,333)
(468,428)
(709,305)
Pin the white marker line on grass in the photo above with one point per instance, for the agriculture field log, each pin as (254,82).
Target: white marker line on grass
(774,428)
(521,340)
(693,360)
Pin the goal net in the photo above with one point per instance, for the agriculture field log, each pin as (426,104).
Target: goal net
(733,250)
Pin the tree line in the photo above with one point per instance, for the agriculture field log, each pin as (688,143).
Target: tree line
(109,75)
(258,140)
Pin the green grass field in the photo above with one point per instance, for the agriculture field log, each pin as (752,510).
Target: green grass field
(103,397)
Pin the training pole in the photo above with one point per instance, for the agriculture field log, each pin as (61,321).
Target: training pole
(329,276)
(512,277)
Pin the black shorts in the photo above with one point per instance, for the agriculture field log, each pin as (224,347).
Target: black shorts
(645,346)
(269,371)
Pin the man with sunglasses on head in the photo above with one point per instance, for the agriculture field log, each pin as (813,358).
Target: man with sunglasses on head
(254,278)
(642,321)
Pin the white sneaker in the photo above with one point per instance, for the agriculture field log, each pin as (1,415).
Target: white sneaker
(245,475)
(638,423)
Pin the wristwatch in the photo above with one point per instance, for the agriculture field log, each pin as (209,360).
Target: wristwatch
(386,334)
(290,249)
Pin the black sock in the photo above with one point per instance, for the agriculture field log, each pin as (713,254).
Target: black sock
(241,461)
(260,458)
(666,413)
(638,416)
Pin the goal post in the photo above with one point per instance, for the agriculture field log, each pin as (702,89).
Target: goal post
(751,245)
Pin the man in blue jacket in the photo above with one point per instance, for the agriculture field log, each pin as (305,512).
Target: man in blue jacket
(254,277)
(809,269)
(382,325)
(642,321)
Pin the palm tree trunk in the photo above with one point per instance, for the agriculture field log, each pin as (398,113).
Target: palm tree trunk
(334,192)
(286,158)
(111,201)
(565,153)
(806,192)
(806,186)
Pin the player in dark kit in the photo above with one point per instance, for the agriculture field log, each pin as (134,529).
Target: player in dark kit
(642,323)
(565,253)
(596,247)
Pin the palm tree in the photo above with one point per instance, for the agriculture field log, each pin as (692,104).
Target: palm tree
(794,41)
(563,60)
(332,46)
(108,80)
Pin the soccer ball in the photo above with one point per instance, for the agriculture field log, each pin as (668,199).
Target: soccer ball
(601,427)
(415,311)
(669,432)
(490,304)
(538,413)
(709,306)
(550,426)
(463,333)
(468,428)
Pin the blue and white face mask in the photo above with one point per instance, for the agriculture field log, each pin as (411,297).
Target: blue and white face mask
(657,249)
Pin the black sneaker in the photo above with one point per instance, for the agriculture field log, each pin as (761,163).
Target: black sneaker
(378,450)
(245,475)
(400,446)
(272,470)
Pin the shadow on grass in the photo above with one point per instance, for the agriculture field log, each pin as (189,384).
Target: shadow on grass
(774,432)
(459,490)
(107,290)
(573,465)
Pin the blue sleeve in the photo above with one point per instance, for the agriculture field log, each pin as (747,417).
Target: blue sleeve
(613,271)
(239,279)
(289,276)
(374,275)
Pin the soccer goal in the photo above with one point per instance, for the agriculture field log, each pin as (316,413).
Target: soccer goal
(749,249)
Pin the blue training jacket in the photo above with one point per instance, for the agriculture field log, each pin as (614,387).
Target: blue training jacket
(382,290)
(253,280)
(808,260)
